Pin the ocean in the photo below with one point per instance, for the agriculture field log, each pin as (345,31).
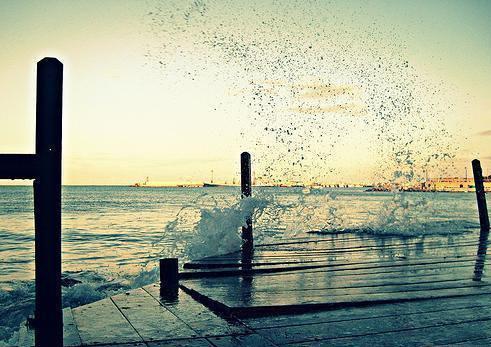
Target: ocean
(113,236)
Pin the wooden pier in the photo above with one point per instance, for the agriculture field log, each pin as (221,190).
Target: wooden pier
(344,289)
(341,289)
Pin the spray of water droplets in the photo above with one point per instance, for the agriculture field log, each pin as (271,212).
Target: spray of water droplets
(324,93)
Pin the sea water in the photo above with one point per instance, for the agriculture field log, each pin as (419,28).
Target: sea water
(113,235)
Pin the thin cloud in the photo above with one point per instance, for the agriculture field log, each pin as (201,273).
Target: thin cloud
(323,92)
(350,109)
(485,133)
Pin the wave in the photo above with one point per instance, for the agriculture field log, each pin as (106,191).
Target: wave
(80,288)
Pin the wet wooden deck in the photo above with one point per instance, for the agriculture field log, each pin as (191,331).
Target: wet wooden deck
(325,290)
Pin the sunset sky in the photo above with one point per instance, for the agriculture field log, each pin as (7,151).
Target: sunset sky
(175,89)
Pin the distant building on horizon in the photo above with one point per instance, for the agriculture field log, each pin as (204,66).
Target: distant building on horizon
(454,184)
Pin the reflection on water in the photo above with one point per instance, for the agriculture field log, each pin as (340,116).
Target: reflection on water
(481,254)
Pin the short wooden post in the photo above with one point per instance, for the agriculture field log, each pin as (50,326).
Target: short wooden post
(245,174)
(246,190)
(483,220)
(169,273)
(47,203)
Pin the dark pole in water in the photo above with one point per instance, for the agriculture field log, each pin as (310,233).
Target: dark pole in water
(483,220)
(169,277)
(245,174)
(47,204)
(246,190)
(45,168)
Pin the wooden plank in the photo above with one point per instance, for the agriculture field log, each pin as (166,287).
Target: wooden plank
(296,259)
(429,336)
(327,281)
(102,323)
(198,342)
(416,270)
(421,244)
(364,246)
(392,261)
(470,342)
(151,320)
(309,255)
(26,336)
(338,238)
(235,288)
(359,330)
(332,266)
(255,340)
(203,321)
(70,332)
(300,304)
(136,344)
(18,166)
(385,274)
(378,311)
(417,291)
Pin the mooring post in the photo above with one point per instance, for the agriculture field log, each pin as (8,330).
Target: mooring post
(45,168)
(246,190)
(483,220)
(169,275)
(47,203)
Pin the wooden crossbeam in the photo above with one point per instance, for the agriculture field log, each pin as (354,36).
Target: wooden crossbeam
(18,166)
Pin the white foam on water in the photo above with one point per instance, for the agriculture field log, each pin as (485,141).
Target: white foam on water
(17,302)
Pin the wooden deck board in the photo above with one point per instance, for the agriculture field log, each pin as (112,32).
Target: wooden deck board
(71,336)
(151,320)
(198,342)
(323,290)
(135,344)
(255,340)
(203,321)
(465,333)
(102,323)
(352,314)
(26,336)
(362,270)
(262,258)
(370,325)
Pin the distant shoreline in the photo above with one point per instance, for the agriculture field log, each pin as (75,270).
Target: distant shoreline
(364,189)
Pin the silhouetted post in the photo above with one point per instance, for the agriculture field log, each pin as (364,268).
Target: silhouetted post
(483,220)
(246,189)
(47,203)
(169,277)
(45,168)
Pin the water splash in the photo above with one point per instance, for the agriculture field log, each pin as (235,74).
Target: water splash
(17,301)
(318,86)
(217,228)
(278,216)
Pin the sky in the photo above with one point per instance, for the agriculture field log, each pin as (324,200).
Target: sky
(346,91)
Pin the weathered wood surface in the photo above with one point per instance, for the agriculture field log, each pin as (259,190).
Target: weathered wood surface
(361,291)
(350,270)
(353,249)
(450,321)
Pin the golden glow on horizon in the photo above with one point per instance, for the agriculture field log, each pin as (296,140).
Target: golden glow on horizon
(126,118)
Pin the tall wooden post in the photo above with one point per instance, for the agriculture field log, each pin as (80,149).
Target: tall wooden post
(483,220)
(246,189)
(47,204)
(45,168)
